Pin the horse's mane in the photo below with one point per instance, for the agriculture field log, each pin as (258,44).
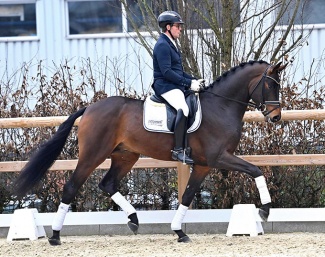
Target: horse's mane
(233,69)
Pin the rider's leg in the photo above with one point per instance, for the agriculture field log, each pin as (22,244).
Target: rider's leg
(176,99)
(179,138)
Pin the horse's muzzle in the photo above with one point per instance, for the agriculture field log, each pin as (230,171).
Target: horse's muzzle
(276,118)
(272,110)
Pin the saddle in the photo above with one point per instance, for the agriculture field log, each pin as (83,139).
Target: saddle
(160,116)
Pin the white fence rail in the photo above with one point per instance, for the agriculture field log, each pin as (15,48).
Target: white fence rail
(166,216)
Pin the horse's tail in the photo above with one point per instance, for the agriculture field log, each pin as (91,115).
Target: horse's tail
(44,157)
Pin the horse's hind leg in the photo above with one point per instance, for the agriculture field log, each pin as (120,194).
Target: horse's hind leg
(84,168)
(122,163)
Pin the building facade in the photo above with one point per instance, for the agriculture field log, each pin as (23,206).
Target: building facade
(96,33)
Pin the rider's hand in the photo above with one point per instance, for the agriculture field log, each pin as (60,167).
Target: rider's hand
(195,85)
(202,83)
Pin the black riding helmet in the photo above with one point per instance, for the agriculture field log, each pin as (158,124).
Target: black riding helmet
(169,17)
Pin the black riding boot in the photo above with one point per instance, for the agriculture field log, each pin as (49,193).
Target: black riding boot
(178,154)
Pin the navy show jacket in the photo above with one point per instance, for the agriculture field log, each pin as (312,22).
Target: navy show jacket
(168,69)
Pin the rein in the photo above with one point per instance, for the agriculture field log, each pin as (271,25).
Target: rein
(262,106)
(230,99)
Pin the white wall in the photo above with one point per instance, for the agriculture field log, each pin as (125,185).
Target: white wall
(53,47)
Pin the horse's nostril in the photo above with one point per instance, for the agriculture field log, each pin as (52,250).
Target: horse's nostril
(276,118)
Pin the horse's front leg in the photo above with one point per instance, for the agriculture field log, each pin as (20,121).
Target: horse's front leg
(264,211)
(232,162)
(197,176)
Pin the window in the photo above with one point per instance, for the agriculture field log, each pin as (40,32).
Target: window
(135,15)
(108,16)
(17,20)
(221,14)
(92,17)
(309,12)
(137,12)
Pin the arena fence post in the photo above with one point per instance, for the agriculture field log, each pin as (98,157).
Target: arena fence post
(183,174)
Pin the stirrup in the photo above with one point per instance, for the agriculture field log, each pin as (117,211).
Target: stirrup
(180,155)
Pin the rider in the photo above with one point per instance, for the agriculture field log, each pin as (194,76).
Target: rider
(170,80)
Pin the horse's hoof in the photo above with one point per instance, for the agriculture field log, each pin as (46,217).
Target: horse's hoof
(133,227)
(54,241)
(263,214)
(184,239)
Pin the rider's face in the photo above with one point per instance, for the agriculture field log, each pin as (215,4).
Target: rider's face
(176,30)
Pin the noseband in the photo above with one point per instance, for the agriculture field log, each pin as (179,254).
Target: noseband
(262,106)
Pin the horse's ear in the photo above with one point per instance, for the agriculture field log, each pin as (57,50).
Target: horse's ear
(278,67)
(282,67)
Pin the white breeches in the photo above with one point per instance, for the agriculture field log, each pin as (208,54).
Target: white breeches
(176,99)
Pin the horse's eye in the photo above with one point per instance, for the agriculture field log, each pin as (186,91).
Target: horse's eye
(269,85)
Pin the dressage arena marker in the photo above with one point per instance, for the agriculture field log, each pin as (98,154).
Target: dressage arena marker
(244,221)
(23,225)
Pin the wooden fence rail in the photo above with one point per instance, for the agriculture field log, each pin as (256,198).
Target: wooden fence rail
(258,160)
(29,122)
(183,170)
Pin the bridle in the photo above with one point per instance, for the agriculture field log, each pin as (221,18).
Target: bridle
(261,106)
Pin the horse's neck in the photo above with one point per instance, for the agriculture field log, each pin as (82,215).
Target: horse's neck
(232,90)
(215,104)
(230,96)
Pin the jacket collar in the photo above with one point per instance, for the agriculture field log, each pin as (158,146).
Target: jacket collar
(170,42)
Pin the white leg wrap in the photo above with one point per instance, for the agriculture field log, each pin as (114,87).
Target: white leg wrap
(60,216)
(263,190)
(178,218)
(123,203)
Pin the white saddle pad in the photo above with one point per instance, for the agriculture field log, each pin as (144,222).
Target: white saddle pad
(155,117)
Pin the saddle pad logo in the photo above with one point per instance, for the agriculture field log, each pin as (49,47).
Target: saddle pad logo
(158,123)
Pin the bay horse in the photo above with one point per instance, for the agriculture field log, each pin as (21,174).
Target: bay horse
(113,128)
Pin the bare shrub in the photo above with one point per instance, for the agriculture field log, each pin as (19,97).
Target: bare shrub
(290,186)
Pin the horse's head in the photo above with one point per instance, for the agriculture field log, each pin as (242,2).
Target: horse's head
(268,101)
